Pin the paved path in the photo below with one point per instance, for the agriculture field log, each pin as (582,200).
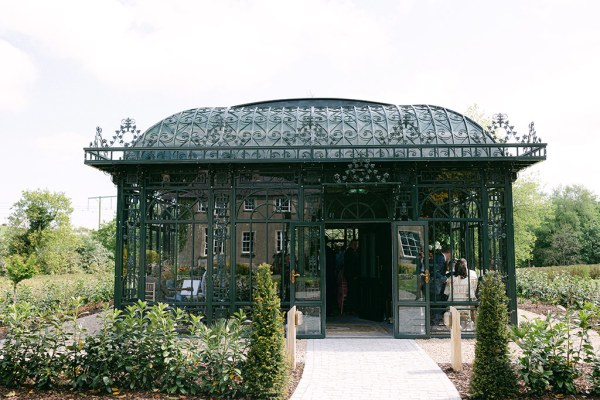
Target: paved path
(371,369)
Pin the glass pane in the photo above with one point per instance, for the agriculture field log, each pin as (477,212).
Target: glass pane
(411,263)
(411,320)
(311,321)
(278,246)
(307,268)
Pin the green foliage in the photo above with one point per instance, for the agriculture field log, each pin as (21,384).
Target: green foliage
(572,232)
(107,235)
(220,353)
(558,286)
(57,251)
(530,208)
(137,349)
(478,115)
(18,269)
(4,243)
(266,369)
(49,295)
(493,376)
(36,352)
(140,348)
(93,256)
(554,349)
(36,212)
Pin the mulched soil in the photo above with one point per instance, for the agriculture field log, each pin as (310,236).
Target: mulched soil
(540,308)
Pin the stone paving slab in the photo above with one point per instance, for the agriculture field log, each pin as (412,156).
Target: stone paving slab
(368,368)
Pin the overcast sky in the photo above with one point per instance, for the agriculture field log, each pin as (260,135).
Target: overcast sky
(67,66)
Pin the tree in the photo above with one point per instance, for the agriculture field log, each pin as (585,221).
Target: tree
(266,368)
(530,208)
(93,255)
(493,376)
(58,251)
(478,115)
(35,213)
(107,235)
(40,209)
(3,248)
(572,233)
(18,269)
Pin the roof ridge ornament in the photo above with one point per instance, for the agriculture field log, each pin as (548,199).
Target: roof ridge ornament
(127,128)
(500,121)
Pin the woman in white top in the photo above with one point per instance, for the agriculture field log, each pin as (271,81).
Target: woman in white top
(462,285)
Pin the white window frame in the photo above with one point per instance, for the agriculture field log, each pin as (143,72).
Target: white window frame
(279,240)
(248,241)
(249,204)
(217,247)
(283,204)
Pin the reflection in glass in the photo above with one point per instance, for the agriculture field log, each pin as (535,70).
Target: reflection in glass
(411,263)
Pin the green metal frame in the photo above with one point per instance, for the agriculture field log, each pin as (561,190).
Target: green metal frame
(422,164)
(302,304)
(397,302)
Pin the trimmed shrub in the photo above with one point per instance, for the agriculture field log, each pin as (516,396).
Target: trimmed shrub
(137,349)
(220,355)
(266,371)
(555,349)
(493,376)
(557,286)
(36,352)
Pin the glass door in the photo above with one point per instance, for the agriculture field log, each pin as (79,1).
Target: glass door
(307,278)
(410,271)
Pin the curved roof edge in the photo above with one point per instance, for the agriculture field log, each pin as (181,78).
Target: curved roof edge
(312,102)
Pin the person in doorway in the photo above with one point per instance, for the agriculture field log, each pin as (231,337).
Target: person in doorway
(438,276)
(457,287)
(352,273)
(442,267)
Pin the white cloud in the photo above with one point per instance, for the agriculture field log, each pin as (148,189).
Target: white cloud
(204,45)
(17,75)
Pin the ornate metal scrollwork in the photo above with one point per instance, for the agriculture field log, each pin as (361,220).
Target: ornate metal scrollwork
(310,131)
(128,128)
(125,136)
(361,171)
(500,121)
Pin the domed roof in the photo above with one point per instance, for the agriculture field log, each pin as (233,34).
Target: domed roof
(315,130)
(314,123)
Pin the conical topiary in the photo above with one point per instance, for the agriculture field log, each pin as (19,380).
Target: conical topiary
(266,371)
(493,376)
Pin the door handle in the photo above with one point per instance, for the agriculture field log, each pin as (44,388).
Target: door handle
(294,276)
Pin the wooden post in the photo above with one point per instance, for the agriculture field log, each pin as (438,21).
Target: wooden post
(290,340)
(455,348)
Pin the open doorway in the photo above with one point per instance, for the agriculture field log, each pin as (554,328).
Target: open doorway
(358,279)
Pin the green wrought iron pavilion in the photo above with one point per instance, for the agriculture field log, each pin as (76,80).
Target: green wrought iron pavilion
(207,194)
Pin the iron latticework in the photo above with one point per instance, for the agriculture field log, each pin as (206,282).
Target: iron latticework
(289,131)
